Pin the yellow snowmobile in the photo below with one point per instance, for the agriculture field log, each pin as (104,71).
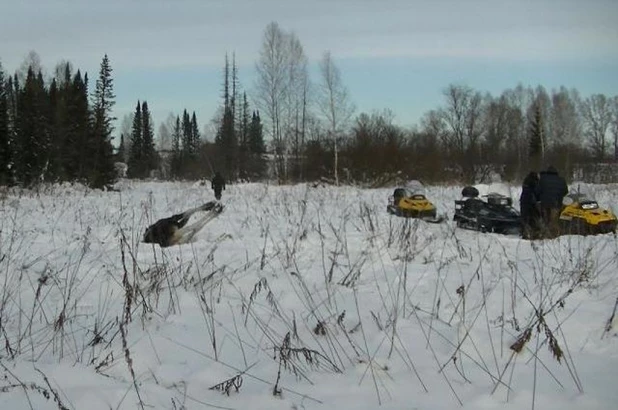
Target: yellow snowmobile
(583,216)
(409,204)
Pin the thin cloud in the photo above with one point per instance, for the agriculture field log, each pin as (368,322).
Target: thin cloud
(168,34)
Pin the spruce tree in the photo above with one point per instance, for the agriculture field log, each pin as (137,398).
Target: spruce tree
(102,171)
(536,138)
(195,135)
(77,129)
(176,152)
(63,110)
(226,139)
(257,148)
(243,138)
(135,163)
(121,153)
(256,135)
(11,90)
(5,145)
(187,156)
(149,152)
(54,159)
(32,132)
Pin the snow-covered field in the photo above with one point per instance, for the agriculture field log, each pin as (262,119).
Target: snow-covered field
(296,297)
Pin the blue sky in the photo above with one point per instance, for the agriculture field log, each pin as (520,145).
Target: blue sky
(396,54)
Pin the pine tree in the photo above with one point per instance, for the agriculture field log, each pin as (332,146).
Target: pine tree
(243,138)
(76,128)
(62,124)
(54,160)
(186,135)
(121,153)
(195,135)
(5,145)
(32,132)
(187,144)
(135,163)
(536,139)
(149,152)
(176,152)
(102,171)
(235,87)
(226,139)
(256,135)
(257,148)
(12,91)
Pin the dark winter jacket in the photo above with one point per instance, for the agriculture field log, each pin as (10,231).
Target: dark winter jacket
(218,183)
(529,195)
(552,188)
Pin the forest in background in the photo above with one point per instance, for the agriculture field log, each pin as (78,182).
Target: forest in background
(290,128)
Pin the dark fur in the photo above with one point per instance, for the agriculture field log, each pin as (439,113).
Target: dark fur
(164,231)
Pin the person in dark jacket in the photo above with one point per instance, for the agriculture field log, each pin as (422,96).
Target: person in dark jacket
(218,184)
(551,191)
(529,206)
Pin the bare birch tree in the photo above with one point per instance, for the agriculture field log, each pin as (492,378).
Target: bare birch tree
(596,115)
(270,87)
(334,104)
(462,115)
(297,97)
(614,125)
(164,134)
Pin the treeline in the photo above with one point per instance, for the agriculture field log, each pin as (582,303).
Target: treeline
(473,136)
(56,131)
(469,138)
(238,149)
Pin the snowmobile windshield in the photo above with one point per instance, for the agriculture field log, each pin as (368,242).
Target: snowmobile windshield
(589,205)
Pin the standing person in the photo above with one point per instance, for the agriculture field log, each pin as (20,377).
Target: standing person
(218,184)
(552,189)
(529,206)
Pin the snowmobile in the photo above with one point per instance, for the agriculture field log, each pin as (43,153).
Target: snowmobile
(581,215)
(409,204)
(490,213)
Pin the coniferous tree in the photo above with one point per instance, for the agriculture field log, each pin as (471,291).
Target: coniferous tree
(32,132)
(102,170)
(76,127)
(225,140)
(186,136)
(121,153)
(62,122)
(256,135)
(135,163)
(148,149)
(257,148)
(12,88)
(195,134)
(5,145)
(536,137)
(54,163)
(243,139)
(176,152)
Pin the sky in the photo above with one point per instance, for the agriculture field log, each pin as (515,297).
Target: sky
(395,54)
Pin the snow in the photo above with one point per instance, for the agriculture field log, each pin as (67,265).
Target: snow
(370,310)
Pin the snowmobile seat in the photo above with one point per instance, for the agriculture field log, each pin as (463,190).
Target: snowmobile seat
(470,192)
(500,200)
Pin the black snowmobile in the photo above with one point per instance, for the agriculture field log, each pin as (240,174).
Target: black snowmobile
(490,213)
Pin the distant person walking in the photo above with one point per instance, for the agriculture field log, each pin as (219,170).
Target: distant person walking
(218,185)
(529,206)
(551,191)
